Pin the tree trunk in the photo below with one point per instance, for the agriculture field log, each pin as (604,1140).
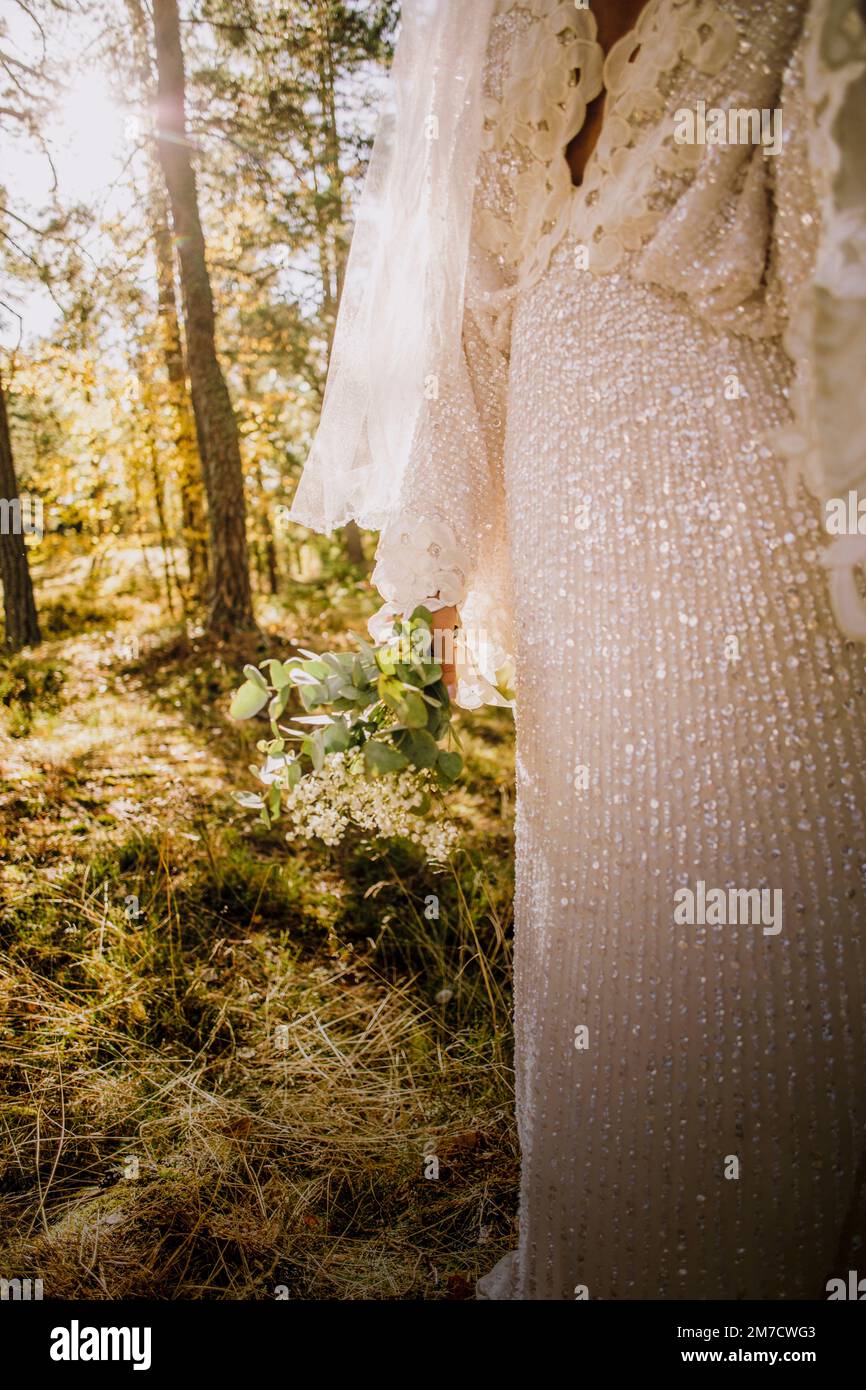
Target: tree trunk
(354,547)
(191,464)
(168,568)
(328,105)
(269,549)
(19,607)
(231,608)
(191,474)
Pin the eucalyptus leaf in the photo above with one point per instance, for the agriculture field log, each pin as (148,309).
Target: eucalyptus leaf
(391,691)
(359,674)
(280,677)
(316,668)
(413,711)
(279,702)
(313,695)
(251,801)
(339,662)
(420,748)
(317,750)
(385,661)
(253,674)
(336,737)
(383,757)
(450,764)
(249,699)
(437,722)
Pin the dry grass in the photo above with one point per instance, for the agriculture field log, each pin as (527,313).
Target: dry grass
(232,1095)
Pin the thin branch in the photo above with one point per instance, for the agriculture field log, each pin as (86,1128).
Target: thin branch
(15,314)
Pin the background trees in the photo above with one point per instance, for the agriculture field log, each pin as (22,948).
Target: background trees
(173,232)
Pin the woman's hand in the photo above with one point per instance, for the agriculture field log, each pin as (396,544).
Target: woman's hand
(447,621)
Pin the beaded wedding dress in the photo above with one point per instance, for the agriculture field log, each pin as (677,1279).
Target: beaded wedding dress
(610,463)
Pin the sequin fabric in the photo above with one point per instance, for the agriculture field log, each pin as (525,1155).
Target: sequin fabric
(689,1096)
(687,712)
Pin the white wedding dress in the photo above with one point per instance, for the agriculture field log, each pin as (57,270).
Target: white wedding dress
(609,461)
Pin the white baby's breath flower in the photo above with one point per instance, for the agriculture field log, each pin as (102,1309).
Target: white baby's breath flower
(326,804)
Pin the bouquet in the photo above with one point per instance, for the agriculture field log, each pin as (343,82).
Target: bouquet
(374,747)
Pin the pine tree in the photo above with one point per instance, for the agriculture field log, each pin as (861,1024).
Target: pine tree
(186,437)
(19,606)
(231,607)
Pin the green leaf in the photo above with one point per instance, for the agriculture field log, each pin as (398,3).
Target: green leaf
(391,691)
(280,677)
(251,801)
(294,773)
(385,661)
(279,702)
(450,765)
(369,669)
(253,674)
(421,615)
(356,696)
(313,695)
(339,662)
(382,757)
(316,750)
(274,799)
(438,722)
(419,747)
(249,699)
(413,711)
(336,739)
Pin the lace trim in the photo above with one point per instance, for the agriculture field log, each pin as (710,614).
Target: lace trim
(420,561)
(417,559)
(552,78)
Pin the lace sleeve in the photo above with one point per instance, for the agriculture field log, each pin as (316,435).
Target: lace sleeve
(446,543)
(820,262)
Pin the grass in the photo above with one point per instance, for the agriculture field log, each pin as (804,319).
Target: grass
(228,1063)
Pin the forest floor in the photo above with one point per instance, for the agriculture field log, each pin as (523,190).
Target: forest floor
(227,1073)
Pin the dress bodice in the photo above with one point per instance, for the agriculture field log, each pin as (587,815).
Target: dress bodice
(691,215)
(713,181)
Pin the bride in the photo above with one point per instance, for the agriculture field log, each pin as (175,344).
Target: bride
(597,372)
